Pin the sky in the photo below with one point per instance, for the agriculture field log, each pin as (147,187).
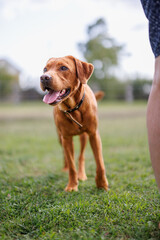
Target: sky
(32,31)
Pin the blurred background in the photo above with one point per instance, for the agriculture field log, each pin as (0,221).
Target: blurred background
(113,35)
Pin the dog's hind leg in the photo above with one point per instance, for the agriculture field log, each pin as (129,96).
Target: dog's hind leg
(65,168)
(81,163)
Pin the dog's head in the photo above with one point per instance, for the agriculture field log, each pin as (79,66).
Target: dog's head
(62,76)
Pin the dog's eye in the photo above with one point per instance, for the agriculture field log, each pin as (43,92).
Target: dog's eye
(45,70)
(63,68)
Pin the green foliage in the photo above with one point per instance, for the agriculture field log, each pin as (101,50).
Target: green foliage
(113,89)
(6,80)
(141,88)
(32,199)
(103,52)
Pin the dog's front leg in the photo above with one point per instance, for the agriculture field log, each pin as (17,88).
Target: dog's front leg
(69,153)
(96,145)
(81,167)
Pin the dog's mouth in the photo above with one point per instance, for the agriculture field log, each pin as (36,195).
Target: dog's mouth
(54,97)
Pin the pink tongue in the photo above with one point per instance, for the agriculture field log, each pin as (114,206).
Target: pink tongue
(50,97)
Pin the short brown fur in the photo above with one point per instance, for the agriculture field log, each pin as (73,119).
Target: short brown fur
(76,78)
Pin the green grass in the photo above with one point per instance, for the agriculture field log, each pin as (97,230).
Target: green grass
(33,204)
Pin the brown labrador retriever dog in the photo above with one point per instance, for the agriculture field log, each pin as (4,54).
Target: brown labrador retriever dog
(75,113)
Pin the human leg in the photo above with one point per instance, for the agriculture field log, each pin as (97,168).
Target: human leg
(152,10)
(153,122)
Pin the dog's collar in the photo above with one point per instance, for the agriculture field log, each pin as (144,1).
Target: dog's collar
(76,107)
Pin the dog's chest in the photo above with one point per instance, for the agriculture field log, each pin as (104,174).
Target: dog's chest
(70,124)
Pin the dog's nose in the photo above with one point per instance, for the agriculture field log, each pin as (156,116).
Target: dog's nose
(45,78)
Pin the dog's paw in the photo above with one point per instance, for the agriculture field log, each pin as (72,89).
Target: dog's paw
(71,188)
(102,183)
(82,176)
(104,186)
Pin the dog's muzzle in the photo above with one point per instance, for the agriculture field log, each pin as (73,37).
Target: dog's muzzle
(45,80)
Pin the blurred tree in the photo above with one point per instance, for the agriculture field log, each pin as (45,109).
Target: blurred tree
(6,80)
(102,51)
(141,88)
(9,81)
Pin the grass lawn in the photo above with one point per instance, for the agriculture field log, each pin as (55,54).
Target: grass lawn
(33,203)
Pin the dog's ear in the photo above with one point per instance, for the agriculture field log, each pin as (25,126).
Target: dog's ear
(84,70)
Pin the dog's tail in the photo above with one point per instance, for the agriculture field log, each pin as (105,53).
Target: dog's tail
(99,95)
